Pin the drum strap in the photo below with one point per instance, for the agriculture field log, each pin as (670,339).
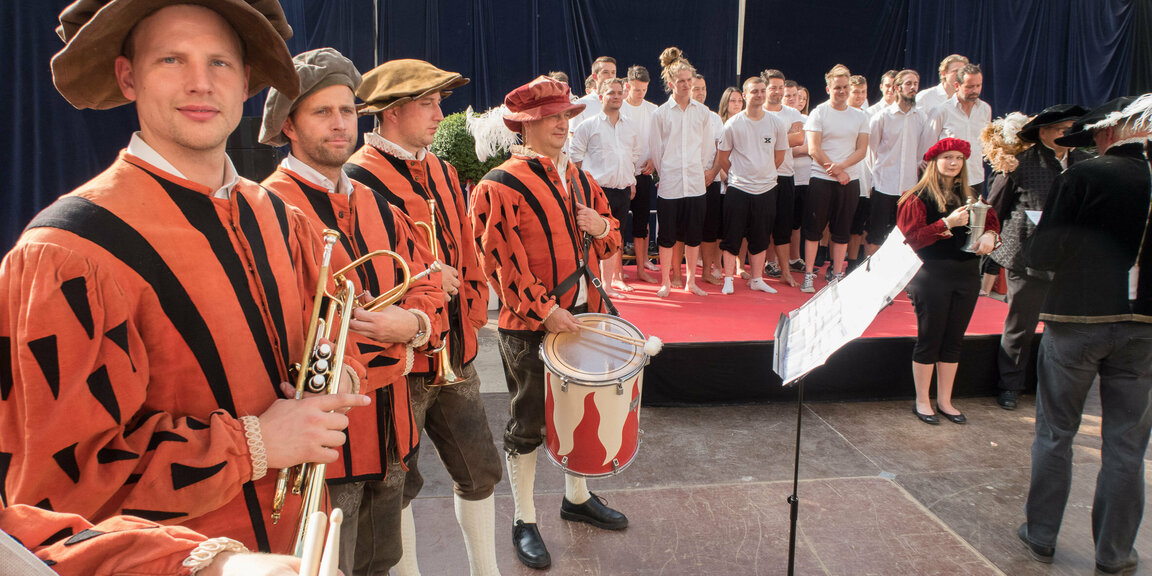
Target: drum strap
(582,269)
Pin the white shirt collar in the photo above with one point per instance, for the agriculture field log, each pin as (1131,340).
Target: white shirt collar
(392,149)
(140,149)
(342,185)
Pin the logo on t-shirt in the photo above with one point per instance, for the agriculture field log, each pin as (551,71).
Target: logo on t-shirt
(767,139)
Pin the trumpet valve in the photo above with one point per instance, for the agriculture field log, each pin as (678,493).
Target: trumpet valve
(324,350)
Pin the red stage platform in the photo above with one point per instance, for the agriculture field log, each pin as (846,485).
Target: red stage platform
(718,348)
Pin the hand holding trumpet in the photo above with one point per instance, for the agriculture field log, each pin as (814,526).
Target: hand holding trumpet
(306,430)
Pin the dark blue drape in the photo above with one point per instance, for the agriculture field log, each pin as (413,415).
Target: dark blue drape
(1034,53)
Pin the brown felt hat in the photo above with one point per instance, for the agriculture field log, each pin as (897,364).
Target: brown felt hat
(538,99)
(397,82)
(94,31)
(317,69)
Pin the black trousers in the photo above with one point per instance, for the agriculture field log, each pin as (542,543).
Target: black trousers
(944,294)
(1025,298)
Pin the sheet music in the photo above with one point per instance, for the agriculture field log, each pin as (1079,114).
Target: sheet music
(839,313)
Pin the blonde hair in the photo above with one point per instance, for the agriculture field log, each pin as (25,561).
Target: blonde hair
(931,187)
(673,62)
(948,61)
(857,81)
(837,71)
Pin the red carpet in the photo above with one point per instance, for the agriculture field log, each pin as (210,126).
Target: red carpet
(748,316)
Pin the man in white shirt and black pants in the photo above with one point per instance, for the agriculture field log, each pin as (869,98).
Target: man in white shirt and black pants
(929,99)
(793,121)
(837,143)
(640,111)
(964,116)
(607,147)
(896,144)
(752,147)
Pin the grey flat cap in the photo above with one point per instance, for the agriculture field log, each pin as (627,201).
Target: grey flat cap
(317,69)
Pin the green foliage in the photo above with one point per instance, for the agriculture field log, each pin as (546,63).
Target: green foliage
(454,144)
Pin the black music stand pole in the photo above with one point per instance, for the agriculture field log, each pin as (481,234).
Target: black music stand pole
(794,500)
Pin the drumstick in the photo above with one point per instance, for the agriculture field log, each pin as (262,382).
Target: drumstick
(313,535)
(651,347)
(331,558)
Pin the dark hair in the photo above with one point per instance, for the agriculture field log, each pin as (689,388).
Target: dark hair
(968,70)
(558,76)
(773,73)
(639,74)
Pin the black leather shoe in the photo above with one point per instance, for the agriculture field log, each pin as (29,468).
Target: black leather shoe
(529,545)
(594,512)
(953,418)
(1037,552)
(1008,399)
(1126,569)
(926,418)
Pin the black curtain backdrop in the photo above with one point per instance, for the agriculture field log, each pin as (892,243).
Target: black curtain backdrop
(1034,53)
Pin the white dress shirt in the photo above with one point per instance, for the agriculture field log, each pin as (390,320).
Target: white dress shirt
(716,124)
(948,120)
(342,185)
(609,153)
(896,146)
(641,117)
(140,149)
(929,99)
(679,146)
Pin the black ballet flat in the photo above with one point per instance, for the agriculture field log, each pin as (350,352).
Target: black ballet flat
(953,418)
(927,419)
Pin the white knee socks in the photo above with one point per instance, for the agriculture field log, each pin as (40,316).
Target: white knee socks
(576,489)
(522,476)
(407,566)
(477,520)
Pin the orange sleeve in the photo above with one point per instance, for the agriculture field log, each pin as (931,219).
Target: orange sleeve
(473,282)
(74,422)
(425,294)
(610,244)
(121,545)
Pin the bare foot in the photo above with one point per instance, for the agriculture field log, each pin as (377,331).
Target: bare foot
(646,277)
(677,283)
(693,288)
(789,279)
(664,291)
(745,275)
(713,279)
(620,286)
(610,292)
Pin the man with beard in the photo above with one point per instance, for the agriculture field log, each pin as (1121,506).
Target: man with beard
(785,175)
(896,145)
(320,125)
(929,99)
(964,116)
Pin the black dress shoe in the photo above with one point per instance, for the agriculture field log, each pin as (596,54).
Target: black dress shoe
(529,545)
(593,512)
(953,418)
(926,418)
(1037,552)
(1008,399)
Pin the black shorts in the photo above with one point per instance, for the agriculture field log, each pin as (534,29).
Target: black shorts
(860,216)
(829,203)
(641,206)
(785,199)
(799,197)
(680,220)
(882,217)
(618,201)
(713,212)
(748,217)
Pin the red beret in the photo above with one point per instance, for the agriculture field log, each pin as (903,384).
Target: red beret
(948,145)
(537,99)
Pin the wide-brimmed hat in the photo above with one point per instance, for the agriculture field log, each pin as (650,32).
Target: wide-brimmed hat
(94,31)
(397,82)
(537,99)
(948,145)
(1078,136)
(317,69)
(1030,132)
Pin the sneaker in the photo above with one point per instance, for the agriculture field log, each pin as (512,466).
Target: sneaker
(760,285)
(836,278)
(728,287)
(772,270)
(829,275)
(809,284)
(796,265)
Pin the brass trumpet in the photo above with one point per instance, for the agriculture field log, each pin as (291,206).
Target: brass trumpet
(445,375)
(323,364)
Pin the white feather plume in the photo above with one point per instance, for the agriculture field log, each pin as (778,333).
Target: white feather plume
(1139,110)
(1011,126)
(491,135)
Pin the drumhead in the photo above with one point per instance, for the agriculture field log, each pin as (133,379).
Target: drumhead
(594,359)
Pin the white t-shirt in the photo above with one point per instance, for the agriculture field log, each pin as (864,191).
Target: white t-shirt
(788,116)
(592,107)
(716,124)
(802,165)
(753,144)
(641,117)
(839,130)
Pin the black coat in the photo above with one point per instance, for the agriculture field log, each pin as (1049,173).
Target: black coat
(1089,236)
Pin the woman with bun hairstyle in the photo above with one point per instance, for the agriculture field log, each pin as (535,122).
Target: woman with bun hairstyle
(933,216)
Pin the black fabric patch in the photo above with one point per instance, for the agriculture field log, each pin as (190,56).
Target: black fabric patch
(256,516)
(153,515)
(48,562)
(119,336)
(5,367)
(66,460)
(382,360)
(101,388)
(185,476)
(138,420)
(76,293)
(366,348)
(44,504)
(195,424)
(132,479)
(48,358)
(62,534)
(5,462)
(100,226)
(110,455)
(163,436)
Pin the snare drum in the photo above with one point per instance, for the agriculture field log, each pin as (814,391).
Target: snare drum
(592,386)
